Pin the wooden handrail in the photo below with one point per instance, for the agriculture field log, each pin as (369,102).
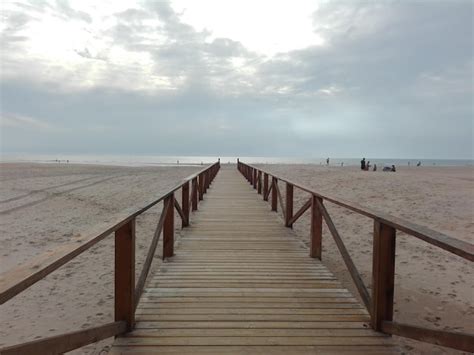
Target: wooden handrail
(60,344)
(458,341)
(380,305)
(18,279)
(443,241)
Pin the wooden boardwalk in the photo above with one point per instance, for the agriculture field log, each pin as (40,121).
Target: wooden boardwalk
(242,283)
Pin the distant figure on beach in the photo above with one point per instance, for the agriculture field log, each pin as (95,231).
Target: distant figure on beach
(375,167)
(408,163)
(419,163)
(362,164)
(327,161)
(342,164)
(367,167)
(393,168)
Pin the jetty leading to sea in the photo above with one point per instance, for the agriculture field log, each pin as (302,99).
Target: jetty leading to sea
(238,280)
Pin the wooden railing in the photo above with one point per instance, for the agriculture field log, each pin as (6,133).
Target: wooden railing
(380,302)
(127,293)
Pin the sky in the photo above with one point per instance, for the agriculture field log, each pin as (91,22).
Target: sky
(251,78)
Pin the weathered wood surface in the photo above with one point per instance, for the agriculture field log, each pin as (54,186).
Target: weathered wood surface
(242,283)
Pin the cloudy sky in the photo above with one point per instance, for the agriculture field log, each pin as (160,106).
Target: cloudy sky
(266,78)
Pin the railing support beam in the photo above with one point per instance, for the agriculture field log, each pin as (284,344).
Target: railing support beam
(289,205)
(259,182)
(168,229)
(185,204)
(194,192)
(265,187)
(274,194)
(201,187)
(125,274)
(383,274)
(316,237)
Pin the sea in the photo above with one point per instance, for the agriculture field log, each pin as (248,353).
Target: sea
(165,160)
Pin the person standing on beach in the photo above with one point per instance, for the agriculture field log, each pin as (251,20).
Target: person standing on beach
(362,164)
(327,161)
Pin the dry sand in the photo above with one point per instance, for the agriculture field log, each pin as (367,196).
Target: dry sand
(433,288)
(42,206)
(46,205)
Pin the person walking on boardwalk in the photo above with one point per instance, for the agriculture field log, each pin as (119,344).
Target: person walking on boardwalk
(362,164)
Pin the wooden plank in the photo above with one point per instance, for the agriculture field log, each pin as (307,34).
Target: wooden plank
(125,274)
(455,340)
(254,317)
(251,311)
(257,305)
(267,349)
(148,333)
(347,298)
(383,274)
(359,283)
(249,325)
(236,340)
(66,342)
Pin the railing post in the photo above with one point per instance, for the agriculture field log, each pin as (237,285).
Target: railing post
(289,204)
(168,229)
(125,274)
(274,194)
(208,179)
(383,274)
(265,186)
(316,237)
(194,191)
(201,186)
(185,204)
(259,183)
(251,176)
(254,178)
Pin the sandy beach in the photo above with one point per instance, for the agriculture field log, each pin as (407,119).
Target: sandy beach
(45,205)
(433,288)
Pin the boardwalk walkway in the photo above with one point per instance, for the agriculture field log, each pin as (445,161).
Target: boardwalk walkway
(242,283)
